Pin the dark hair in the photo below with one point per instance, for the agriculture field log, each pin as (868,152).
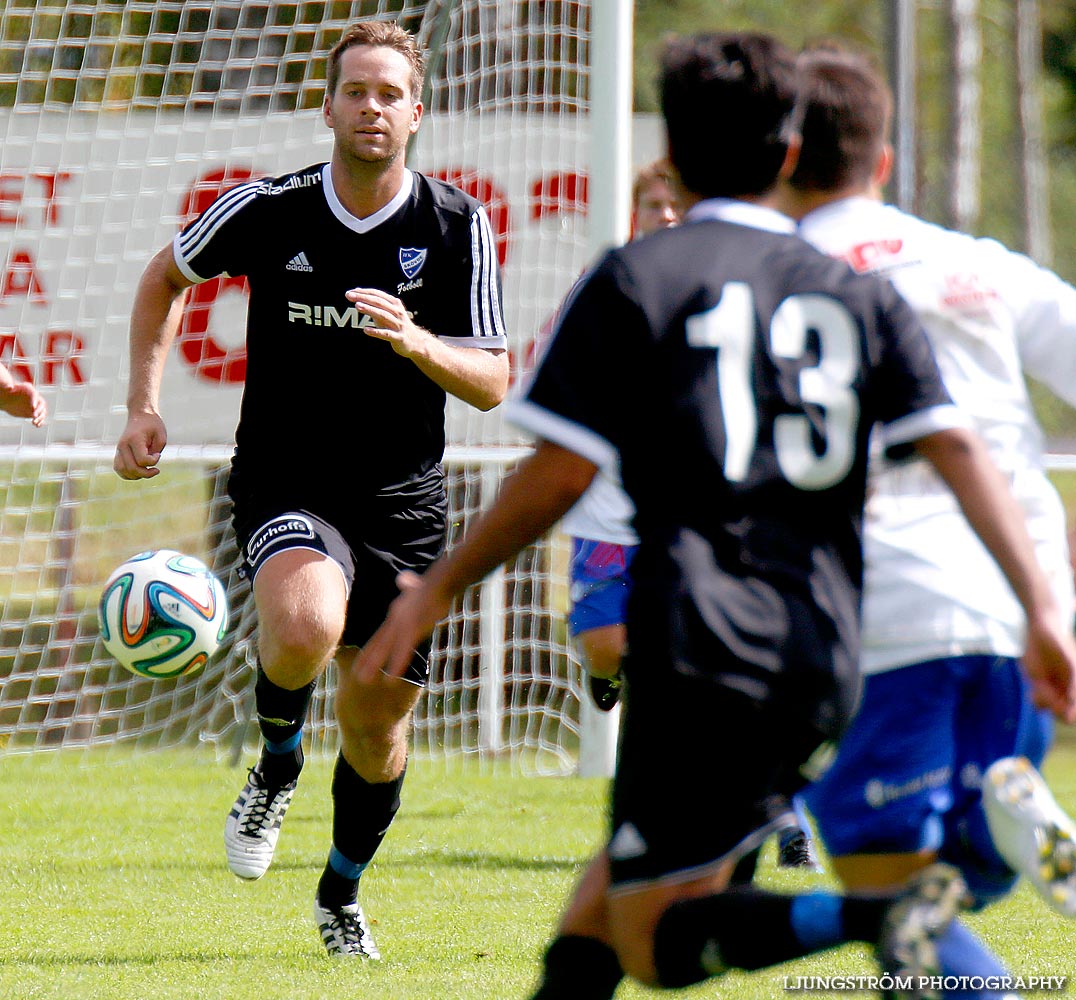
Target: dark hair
(384,33)
(728,102)
(846,111)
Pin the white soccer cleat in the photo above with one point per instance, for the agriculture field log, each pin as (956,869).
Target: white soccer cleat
(345,932)
(253,825)
(1031,831)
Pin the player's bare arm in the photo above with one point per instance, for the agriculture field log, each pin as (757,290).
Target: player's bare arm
(21,399)
(962,460)
(532,499)
(154,322)
(476,375)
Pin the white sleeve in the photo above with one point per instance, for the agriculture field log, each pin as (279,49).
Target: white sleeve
(1044,314)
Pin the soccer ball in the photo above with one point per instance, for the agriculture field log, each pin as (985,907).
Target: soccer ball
(162,614)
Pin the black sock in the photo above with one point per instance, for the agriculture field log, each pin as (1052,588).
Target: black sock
(862,917)
(281,714)
(749,928)
(579,968)
(362,814)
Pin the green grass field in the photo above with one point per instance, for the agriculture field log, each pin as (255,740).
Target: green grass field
(115,887)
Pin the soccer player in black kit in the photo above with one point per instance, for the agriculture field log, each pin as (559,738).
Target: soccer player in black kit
(744,373)
(374,291)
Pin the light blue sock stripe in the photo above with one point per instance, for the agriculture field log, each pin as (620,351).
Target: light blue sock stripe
(816,920)
(339,864)
(287,746)
(961,953)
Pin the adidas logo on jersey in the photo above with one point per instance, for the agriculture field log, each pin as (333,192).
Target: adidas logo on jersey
(627,843)
(299,263)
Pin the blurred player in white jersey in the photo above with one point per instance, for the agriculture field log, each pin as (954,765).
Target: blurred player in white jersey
(945,701)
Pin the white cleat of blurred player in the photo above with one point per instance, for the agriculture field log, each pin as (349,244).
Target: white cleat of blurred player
(1031,831)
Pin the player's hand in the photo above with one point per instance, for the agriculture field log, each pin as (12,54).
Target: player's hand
(1050,665)
(23,400)
(140,446)
(392,321)
(411,619)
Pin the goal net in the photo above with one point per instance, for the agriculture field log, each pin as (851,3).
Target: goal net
(119,121)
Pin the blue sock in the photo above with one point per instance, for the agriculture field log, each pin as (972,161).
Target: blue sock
(817,920)
(342,866)
(339,883)
(281,761)
(285,746)
(961,953)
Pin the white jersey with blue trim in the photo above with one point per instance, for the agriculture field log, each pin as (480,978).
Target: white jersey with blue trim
(931,589)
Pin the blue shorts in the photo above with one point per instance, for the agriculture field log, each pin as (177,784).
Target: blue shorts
(600,584)
(908,771)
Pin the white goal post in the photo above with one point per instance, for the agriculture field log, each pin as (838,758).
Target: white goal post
(117,122)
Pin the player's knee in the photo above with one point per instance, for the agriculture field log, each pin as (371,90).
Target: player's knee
(298,636)
(881,870)
(603,649)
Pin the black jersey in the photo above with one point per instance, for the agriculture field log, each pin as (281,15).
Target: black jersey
(323,401)
(736,373)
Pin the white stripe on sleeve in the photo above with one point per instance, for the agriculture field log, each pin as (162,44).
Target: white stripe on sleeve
(486,318)
(193,240)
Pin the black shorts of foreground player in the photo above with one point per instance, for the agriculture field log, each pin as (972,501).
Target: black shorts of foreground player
(373,292)
(748,372)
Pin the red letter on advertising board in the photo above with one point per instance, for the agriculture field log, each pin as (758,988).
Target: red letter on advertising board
(494,200)
(63,351)
(21,278)
(197,346)
(13,355)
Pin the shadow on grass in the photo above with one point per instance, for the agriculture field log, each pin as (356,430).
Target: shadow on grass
(483,860)
(52,960)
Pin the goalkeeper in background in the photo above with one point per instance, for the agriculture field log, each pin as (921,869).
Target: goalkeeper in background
(374,292)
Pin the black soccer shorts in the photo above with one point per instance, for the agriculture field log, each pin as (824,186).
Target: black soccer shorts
(708,764)
(371,544)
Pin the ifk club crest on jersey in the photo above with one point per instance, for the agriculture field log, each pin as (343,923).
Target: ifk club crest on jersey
(411,261)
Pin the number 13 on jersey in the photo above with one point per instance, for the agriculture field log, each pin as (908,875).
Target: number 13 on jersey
(729,329)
